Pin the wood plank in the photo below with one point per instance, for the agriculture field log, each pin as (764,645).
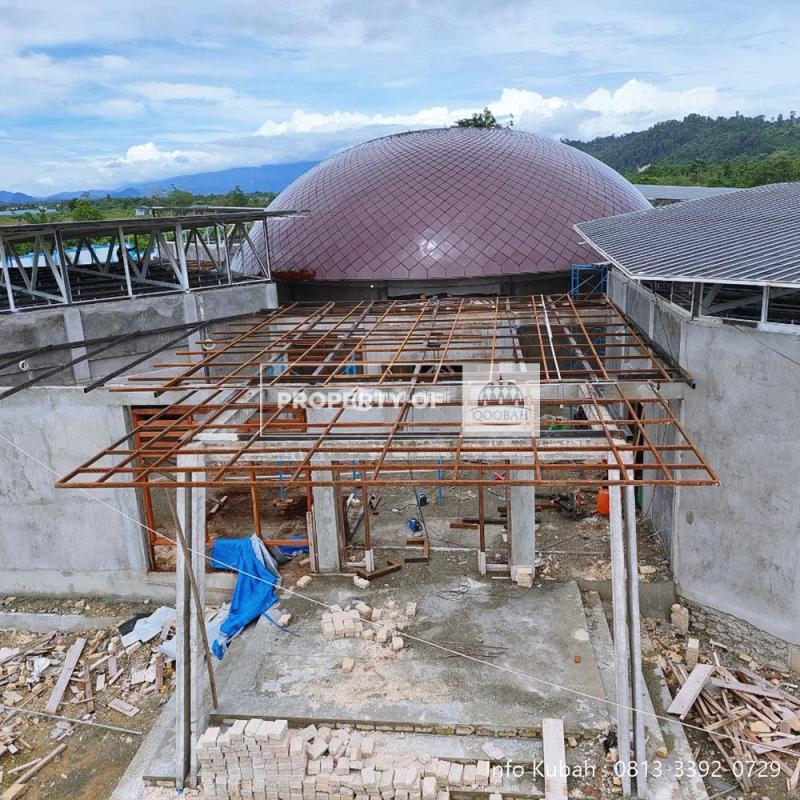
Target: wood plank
(124,708)
(746,688)
(793,781)
(42,763)
(780,744)
(555,760)
(690,690)
(70,662)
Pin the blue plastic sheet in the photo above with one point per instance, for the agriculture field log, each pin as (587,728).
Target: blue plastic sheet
(255,585)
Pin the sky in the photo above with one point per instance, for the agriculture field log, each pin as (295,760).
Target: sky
(102,93)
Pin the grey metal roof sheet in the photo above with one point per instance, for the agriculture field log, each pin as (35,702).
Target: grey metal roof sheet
(751,237)
(653,191)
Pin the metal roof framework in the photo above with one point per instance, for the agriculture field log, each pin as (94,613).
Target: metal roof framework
(604,422)
(750,237)
(62,263)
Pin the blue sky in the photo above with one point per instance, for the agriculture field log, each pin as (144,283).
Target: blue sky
(98,94)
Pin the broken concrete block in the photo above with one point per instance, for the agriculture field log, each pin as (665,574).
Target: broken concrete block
(361,583)
(377,613)
(317,748)
(443,794)
(493,751)
(442,771)
(411,610)
(680,618)
(469,775)
(759,727)
(342,766)
(397,643)
(364,610)
(284,620)
(496,776)
(308,733)
(429,789)
(455,775)
(303,582)
(692,653)
(482,773)
(386,783)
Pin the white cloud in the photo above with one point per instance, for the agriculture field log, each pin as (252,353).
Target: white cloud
(634,105)
(305,135)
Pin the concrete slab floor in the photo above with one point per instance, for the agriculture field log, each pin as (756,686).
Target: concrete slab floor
(539,632)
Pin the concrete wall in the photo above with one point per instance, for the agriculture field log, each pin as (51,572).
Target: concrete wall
(58,540)
(64,541)
(117,318)
(733,548)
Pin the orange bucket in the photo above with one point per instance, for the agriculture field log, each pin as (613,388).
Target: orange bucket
(602,501)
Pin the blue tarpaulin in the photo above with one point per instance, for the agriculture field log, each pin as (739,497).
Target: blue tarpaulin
(255,585)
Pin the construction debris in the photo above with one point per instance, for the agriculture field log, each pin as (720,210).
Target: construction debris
(680,618)
(75,676)
(747,717)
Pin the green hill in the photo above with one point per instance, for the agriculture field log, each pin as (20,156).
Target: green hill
(697,150)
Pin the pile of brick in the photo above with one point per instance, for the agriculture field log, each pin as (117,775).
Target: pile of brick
(342,623)
(263,760)
(360,621)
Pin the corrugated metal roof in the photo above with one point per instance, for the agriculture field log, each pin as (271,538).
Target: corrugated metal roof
(751,237)
(654,191)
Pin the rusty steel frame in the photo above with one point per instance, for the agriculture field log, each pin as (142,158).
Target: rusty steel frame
(572,340)
(400,451)
(586,344)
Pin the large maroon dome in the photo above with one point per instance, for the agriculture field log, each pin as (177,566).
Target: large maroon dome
(446,203)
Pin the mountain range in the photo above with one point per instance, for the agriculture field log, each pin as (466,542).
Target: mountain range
(267,178)
(732,151)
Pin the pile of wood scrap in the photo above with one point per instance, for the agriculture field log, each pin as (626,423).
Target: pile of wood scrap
(64,677)
(748,718)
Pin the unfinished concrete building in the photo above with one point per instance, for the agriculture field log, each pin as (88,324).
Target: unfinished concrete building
(455,601)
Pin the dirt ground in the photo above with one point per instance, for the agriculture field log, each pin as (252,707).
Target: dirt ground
(95,758)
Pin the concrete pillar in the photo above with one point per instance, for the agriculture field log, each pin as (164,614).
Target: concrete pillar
(73,325)
(326,523)
(522,523)
(190,668)
(621,633)
(639,689)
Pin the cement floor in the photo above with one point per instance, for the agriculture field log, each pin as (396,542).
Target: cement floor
(540,632)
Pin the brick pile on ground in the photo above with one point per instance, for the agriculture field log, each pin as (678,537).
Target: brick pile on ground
(360,621)
(264,760)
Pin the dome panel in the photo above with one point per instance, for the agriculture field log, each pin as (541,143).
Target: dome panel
(445,203)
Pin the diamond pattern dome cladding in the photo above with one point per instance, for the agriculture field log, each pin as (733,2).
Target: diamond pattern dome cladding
(446,203)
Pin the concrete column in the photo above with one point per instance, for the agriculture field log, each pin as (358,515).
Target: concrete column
(183,683)
(73,325)
(629,502)
(621,632)
(326,523)
(192,711)
(522,523)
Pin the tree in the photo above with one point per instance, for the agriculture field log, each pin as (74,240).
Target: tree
(84,210)
(236,197)
(179,197)
(482,119)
